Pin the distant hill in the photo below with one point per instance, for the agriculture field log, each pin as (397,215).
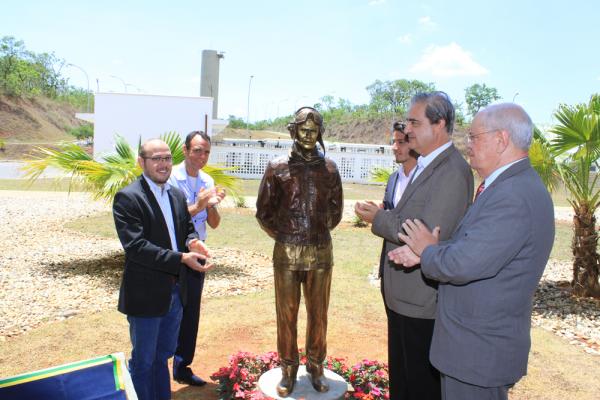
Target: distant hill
(374,131)
(26,122)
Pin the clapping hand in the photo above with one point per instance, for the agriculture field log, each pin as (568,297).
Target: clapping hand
(218,196)
(404,256)
(417,236)
(198,252)
(366,210)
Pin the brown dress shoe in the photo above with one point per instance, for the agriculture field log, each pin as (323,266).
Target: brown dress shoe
(288,380)
(317,379)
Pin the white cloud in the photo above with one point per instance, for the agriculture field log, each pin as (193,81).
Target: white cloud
(117,61)
(427,22)
(405,39)
(448,61)
(376,2)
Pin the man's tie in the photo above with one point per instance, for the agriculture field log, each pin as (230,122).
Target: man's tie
(479,189)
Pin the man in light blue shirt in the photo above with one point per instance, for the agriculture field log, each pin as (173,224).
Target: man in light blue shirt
(202,198)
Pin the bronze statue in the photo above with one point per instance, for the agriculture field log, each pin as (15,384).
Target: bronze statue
(299,201)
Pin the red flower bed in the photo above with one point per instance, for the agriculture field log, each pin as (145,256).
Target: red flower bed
(239,379)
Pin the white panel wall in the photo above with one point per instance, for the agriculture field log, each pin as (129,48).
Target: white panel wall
(252,161)
(147,116)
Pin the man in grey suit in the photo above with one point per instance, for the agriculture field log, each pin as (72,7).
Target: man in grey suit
(490,268)
(439,194)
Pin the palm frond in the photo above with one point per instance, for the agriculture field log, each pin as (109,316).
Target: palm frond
(380,174)
(123,149)
(544,161)
(175,143)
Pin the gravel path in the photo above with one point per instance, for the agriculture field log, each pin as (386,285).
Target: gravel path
(48,272)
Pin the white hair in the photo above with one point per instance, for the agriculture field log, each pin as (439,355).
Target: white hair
(512,118)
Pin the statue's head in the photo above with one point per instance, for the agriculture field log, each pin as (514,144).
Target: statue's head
(307,128)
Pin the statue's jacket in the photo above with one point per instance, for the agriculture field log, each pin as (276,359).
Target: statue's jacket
(299,201)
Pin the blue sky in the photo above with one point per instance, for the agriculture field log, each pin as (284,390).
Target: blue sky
(542,53)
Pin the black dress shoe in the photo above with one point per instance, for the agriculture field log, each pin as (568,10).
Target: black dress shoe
(192,380)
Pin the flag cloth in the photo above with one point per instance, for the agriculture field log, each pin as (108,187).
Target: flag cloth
(105,378)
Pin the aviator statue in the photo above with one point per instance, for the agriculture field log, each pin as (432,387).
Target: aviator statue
(299,202)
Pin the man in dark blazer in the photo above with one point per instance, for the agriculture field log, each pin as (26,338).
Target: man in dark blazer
(490,268)
(440,192)
(155,229)
(400,178)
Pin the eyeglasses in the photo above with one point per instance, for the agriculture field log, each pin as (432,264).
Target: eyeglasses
(471,137)
(393,141)
(158,159)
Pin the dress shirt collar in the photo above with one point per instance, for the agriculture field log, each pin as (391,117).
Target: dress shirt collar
(492,177)
(424,161)
(157,190)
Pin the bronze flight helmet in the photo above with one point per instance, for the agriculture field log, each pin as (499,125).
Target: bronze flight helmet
(301,116)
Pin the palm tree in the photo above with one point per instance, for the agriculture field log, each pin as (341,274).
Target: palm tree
(103,179)
(543,160)
(577,139)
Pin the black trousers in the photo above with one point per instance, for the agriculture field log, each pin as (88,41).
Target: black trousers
(412,377)
(188,331)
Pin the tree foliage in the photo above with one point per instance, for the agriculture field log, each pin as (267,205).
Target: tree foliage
(572,154)
(25,73)
(394,96)
(478,96)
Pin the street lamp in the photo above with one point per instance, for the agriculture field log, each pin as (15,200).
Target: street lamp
(121,79)
(88,84)
(515,96)
(248,110)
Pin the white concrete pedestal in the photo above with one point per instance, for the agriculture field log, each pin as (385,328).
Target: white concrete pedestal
(267,383)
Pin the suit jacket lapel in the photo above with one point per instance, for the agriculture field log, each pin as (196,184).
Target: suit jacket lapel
(159,217)
(175,212)
(514,169)
(389,196)
(424,175)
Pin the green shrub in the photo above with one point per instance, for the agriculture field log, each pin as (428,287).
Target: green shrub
(85,131)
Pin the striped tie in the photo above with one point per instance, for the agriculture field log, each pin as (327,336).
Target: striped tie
(479,189)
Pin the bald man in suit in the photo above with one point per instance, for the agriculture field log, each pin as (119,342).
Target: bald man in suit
(489,269)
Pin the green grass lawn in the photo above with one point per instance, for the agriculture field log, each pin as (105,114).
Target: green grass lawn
(357,323)
(239,223)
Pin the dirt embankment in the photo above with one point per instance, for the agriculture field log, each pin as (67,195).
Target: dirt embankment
(27,122)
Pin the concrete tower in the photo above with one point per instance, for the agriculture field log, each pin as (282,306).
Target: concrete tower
(209,77)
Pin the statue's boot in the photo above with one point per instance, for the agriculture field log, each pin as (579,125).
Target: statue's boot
(317,379)
(288,380)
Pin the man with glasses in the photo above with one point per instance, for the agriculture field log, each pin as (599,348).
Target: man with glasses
(490,268)
(202,198)
(439,193)
(156,231)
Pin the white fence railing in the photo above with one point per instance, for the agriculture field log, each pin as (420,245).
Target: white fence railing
(251,162)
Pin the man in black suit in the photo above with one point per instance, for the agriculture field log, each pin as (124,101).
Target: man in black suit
(155,229)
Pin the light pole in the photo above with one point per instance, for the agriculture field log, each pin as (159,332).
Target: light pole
(121,79)
(515,96)
(248,110)
(88,84)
